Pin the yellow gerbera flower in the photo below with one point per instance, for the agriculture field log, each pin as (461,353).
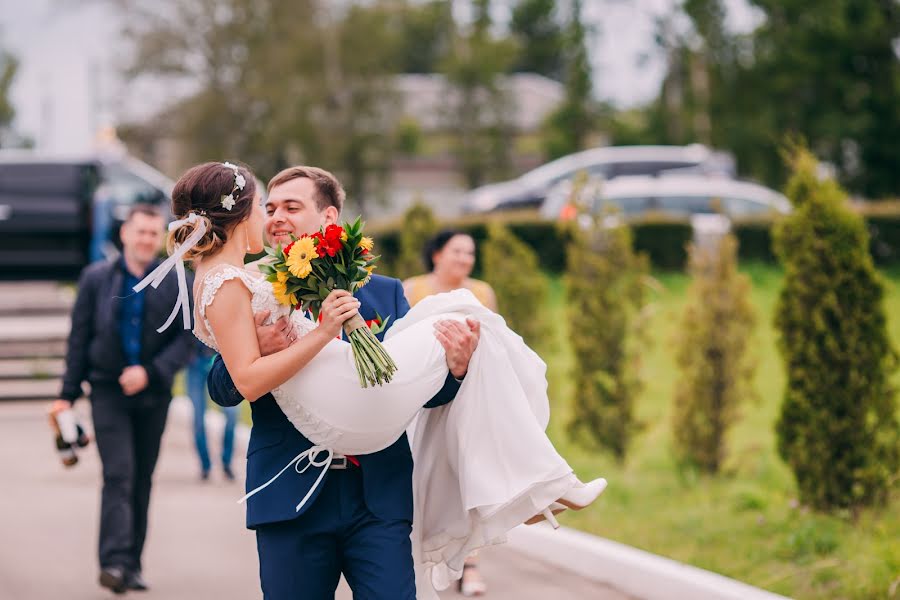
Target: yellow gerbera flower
(300,257)
(343,236)
(367,243)
(283,276)
(280,289)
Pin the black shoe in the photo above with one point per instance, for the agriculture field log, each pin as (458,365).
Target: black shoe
(204,475)
(113,578)
(135,581)
(229,474)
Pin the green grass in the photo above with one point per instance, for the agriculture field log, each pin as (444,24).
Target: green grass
(745,523)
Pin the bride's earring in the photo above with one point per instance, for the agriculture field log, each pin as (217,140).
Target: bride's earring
(247,238)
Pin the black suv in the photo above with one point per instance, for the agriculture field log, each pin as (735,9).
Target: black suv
(49,208)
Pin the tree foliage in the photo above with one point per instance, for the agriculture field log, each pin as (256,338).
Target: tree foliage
(536,26)
(478,106)
(567,129)
(712,353)
(829,73)
(8,67)
(278,82)
(419,224)
(428,29)
(512,269)
(838,426)
(606,284)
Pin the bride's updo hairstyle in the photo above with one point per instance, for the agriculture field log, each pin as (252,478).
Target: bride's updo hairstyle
(212,192)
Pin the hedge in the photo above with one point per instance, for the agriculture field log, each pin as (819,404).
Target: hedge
(664,240)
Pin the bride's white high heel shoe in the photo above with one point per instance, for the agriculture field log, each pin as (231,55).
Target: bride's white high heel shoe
(579,497)
(583,495)
(549,514)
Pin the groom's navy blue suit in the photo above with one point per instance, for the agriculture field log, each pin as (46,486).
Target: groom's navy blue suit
(357,522)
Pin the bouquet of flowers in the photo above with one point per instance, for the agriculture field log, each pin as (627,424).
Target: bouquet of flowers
(305,271)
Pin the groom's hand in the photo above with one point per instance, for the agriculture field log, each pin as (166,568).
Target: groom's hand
(275,337)
(459,341)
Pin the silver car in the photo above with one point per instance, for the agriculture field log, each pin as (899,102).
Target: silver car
(611,162)
(673,195)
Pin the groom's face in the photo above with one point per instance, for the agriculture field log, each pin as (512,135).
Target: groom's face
(291,209)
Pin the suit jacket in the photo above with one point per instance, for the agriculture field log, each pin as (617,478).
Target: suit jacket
(95,347)
(387,475)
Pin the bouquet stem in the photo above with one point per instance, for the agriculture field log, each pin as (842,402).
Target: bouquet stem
(373,364)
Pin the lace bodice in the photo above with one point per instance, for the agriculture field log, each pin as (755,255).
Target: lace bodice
(262,299)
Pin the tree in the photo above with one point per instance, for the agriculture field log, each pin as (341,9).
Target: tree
(279,82)
(8,67)
(427,35)
(512,269)
(605,282)
(540,36)
(831,75)
(712,354)
(838,426)
(478,106)
(419,225)
(567,129)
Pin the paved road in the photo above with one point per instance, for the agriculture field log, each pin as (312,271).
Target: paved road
(197,548)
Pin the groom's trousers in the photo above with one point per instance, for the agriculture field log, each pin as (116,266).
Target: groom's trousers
(128,431)
(302,559)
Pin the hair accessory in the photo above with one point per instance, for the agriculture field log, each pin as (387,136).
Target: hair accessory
(239,183)
(176,261)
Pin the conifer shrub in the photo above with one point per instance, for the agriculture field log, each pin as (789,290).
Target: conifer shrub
(838,426)
(607,291)
(513,270)
(713,354)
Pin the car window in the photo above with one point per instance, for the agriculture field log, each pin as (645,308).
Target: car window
(685,205)
(738,207)
(125,188)
(629,206)
(647,167)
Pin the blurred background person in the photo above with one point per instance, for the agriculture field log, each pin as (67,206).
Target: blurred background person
(449,257)
(196,374)
(114,345)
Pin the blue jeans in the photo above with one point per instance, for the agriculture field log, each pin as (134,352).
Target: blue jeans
(196,387)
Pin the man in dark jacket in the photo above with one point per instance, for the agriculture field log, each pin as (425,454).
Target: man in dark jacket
(115,347)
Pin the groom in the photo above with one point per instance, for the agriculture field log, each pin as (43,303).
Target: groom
(359,520)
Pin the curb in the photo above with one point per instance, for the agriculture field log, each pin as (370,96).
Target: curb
(629,570)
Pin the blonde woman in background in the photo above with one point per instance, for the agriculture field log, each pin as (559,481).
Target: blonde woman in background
(450,257)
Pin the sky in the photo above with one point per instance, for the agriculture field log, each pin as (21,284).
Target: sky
(70,53)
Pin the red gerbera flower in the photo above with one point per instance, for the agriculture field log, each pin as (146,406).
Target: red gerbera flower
(333,232)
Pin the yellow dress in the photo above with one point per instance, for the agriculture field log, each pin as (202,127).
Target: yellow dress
(420,287)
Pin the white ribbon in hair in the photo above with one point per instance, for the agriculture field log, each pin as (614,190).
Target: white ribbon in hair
(176,260)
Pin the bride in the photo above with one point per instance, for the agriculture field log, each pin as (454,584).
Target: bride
(462,501)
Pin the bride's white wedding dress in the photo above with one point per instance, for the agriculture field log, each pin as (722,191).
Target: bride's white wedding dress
(483,463)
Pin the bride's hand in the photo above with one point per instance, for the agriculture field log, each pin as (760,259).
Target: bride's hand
(339,306)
